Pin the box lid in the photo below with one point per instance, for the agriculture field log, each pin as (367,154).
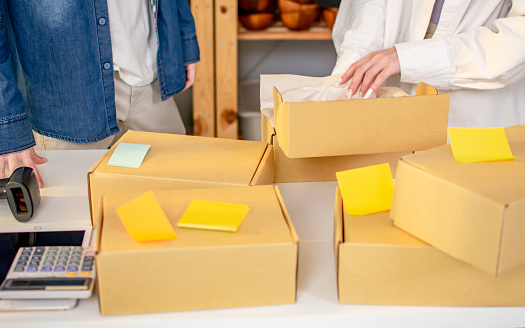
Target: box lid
(265,223)
(500,181)
(191,158)
(371,229)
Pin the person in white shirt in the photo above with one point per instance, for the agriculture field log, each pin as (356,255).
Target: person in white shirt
(137,94)
(475,52)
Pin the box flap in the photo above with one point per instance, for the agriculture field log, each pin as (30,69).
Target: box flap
(99,220)
(264,223)
(500,181)
(282,121)
(264,173)
(89,174)
(286,215)
(338,222)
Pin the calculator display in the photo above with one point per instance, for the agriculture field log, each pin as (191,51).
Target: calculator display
(47,283)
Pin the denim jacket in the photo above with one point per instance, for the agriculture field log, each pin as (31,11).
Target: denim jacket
(56,69)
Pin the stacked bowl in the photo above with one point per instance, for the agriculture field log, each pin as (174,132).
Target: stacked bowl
(257,14)
(298,15)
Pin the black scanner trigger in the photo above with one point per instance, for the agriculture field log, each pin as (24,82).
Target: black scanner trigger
(22,193)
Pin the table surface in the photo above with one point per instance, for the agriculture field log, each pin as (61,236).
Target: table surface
(310,206)
(63,198)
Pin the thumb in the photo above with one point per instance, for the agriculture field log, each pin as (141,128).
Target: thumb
(37,159)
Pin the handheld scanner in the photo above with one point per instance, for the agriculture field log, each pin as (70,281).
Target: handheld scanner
(22,193)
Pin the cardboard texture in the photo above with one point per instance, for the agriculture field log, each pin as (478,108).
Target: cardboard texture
(318,168)
(380,264)
(474,212)
(364,126)
(182,162)
(201,269)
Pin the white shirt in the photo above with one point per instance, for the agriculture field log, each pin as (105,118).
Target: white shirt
(477,53)
(134,41)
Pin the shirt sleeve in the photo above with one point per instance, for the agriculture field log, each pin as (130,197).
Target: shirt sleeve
(358,30)
(483,58)
(188,34)
(15,130)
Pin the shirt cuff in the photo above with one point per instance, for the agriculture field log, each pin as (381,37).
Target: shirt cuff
(15,135)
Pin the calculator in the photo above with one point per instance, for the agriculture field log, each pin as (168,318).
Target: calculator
(50,272)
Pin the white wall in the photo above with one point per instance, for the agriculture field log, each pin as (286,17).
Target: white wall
(312,58)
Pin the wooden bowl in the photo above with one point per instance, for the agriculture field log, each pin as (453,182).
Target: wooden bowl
(299,20)
(257,21)
(254,6)
(292,6)
(329,15)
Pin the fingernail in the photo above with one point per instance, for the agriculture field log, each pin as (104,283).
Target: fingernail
(338,82)
(349,94)
(368,93)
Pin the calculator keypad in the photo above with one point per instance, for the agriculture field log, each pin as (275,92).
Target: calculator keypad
(54,261)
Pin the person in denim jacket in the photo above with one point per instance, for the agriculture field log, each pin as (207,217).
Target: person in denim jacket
(58,76)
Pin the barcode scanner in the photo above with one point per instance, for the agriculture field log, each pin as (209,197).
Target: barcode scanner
(22,193)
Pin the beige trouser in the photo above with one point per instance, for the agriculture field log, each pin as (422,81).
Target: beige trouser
(138,108)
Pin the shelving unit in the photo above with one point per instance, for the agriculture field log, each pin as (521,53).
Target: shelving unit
(280,32)
(215,90)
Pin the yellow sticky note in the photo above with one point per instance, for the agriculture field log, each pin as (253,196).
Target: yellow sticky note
(203,214)
(471,145)
(145,220)
(366,190)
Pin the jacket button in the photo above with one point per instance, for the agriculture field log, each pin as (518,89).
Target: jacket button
(107,65)
(102,21)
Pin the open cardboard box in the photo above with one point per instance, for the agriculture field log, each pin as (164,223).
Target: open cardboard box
(363,126)
(201,269)
(181,162)
(318,168)
(473,212)
(378,263)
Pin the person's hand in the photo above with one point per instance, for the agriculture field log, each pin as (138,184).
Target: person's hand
(371,71)
(190,75)
(27,157)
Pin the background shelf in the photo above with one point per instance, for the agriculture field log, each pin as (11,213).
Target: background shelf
(280,32)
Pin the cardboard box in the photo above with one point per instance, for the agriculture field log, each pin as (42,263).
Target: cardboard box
(364,126)
(182,162)
(318,168)
(378,263)
(473,212)
(202,269)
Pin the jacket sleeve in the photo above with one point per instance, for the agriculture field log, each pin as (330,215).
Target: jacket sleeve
(189,36)
(15,130)
(358,30)
(483,58)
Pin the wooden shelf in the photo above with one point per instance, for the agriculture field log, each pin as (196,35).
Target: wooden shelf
(280,32)
(215,91)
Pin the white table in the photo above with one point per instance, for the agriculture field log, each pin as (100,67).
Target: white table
(311,208)
(64,204)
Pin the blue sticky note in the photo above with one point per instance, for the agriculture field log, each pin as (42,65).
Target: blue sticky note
(128,155)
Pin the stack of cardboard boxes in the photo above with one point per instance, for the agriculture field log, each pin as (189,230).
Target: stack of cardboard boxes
(200,269)
(377,263)
(453,236)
